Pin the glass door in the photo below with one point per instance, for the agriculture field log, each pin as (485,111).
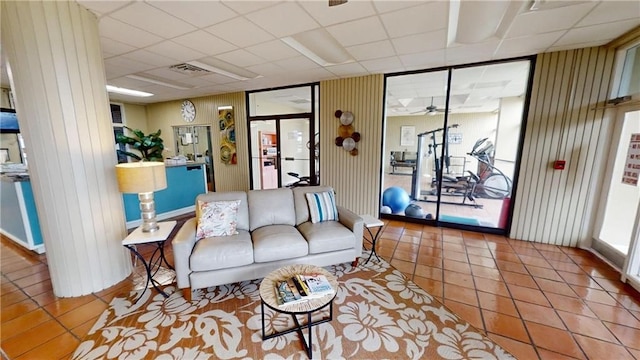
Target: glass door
(295,161)
(264,154)
(619,214)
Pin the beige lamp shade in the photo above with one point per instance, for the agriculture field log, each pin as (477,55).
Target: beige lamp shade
(141,177)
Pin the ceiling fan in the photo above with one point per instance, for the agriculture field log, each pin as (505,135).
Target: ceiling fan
(337,2)
(430,110)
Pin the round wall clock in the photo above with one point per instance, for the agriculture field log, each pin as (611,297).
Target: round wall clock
(188,111)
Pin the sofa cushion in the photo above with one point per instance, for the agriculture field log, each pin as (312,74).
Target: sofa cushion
(327,236)
(243,207)
(214,253)
(271,207)
(217,218)
(322,206)
(300,199)
(277,242)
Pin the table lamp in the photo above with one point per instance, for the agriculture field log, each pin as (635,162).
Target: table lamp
(143,178)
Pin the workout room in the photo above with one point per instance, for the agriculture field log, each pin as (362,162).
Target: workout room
(452,143)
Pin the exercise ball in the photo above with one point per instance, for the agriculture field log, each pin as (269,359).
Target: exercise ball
(414,210)
(385,210)
(396,198)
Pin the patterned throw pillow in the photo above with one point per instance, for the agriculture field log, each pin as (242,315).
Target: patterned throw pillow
(322,206)
(217,218)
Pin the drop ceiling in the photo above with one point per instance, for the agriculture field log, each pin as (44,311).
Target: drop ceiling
(248,41)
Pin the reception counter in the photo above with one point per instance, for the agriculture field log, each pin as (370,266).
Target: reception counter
(18,216)
(19,219)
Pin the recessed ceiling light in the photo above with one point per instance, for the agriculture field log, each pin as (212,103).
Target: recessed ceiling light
(124,91)
(319,46)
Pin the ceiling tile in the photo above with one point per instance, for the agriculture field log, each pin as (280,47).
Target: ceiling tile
(150,58)
(125,82)
(388,64)
(125,33)
(103,7)
(240,57)
(132,66)
(115,47)
(415,20)
(240,32)
(423,60)
(273,50)
(151,19)
(359,31)
(387,6)
(611,11)
(603,32)
(374,50)
(218,79)
(204,42)
(348,69)
(245,7)
(431,41)
(574,46)
(175,51)
(267,69)
(283,19)
(326,15)
(198,13)
(474,53)
(538,22)
(296,63)
(196,81)
(528,44)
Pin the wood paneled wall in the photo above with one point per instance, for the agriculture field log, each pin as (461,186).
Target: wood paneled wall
(554,206)
(167,114)
(356,179)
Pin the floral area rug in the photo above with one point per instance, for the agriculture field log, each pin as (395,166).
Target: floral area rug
(377,314)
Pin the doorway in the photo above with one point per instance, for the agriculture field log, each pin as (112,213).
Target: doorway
(194,143)
(452,140)
(283,151)
(619,214)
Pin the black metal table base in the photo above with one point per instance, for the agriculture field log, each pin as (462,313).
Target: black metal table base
(299,327)
(152,266)
(374,240)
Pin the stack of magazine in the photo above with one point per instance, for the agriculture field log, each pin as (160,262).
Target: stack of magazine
(300,288)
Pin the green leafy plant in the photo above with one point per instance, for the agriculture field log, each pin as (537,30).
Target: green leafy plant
(150,146)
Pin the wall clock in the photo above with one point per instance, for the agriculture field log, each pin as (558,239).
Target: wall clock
(188,111)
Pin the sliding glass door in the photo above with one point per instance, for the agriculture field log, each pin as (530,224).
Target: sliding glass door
(452,142)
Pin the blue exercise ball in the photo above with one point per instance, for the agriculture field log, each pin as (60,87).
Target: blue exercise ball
(414,210)
(396,198)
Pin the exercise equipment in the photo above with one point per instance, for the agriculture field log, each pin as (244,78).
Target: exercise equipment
(414,210)
(396,198)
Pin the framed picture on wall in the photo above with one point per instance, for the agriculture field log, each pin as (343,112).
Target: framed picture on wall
(407,135)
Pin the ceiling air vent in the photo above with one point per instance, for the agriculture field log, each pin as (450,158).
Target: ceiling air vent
(189,69)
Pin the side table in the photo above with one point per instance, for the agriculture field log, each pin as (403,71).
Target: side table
(369,223)
(158,237)
(307,308)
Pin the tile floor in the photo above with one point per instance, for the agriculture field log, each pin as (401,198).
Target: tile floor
(538,301)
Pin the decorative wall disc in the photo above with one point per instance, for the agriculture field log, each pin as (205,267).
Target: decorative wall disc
(346,118)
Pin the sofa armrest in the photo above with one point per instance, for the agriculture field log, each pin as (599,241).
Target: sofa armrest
(354,223)
(183,244)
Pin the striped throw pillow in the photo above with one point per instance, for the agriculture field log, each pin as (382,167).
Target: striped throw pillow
(322,206)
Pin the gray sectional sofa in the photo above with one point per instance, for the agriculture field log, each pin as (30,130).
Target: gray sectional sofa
(274,229)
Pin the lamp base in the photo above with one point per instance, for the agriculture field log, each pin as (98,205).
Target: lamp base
(148,212)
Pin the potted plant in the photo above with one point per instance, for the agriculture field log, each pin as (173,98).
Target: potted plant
(150,146)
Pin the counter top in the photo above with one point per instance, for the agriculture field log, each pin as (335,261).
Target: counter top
(14,177)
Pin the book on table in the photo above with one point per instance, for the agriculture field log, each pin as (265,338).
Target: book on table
(300,288)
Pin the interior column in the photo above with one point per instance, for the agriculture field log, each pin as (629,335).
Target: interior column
(52,51)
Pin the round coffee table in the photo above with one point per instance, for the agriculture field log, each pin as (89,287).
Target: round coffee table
(268,298)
